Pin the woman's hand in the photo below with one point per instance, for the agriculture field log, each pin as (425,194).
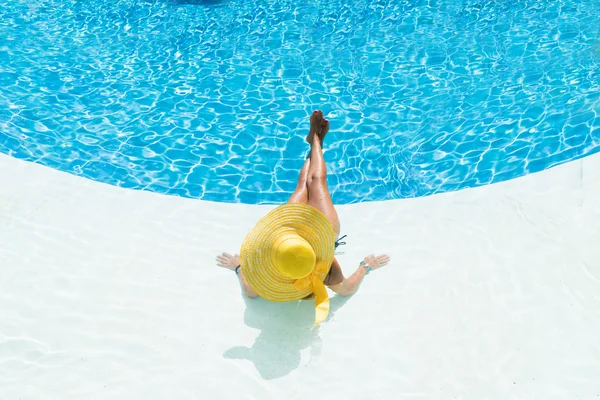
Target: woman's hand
(228,261)
(375,262)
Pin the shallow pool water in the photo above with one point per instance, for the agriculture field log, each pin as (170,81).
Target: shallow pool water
(210,99)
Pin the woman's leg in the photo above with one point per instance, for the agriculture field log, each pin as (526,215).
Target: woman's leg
(318,192)
(300,194)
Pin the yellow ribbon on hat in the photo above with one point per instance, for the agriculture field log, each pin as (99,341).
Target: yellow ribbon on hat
(318,288)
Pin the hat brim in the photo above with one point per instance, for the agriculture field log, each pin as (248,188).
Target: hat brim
(257,266)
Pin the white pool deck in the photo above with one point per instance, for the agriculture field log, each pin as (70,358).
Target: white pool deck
(108,293)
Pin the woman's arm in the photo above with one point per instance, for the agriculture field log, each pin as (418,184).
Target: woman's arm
(230,262)
(350,285)
(247,289)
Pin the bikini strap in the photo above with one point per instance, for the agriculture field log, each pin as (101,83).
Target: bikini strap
(339,242)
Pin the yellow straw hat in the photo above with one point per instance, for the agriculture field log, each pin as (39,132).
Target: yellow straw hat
(288,254)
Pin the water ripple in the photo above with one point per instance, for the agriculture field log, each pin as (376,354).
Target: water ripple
(210,99)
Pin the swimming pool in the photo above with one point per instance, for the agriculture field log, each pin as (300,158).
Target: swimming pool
(210,99)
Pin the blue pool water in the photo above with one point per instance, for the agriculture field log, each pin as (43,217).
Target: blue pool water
(210,99)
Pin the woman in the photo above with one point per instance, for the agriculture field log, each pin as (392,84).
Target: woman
(289,253)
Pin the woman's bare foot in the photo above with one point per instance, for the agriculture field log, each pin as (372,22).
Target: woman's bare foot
(316,120)
(324,130)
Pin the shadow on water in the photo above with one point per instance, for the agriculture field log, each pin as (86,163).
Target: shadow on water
(285,330)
